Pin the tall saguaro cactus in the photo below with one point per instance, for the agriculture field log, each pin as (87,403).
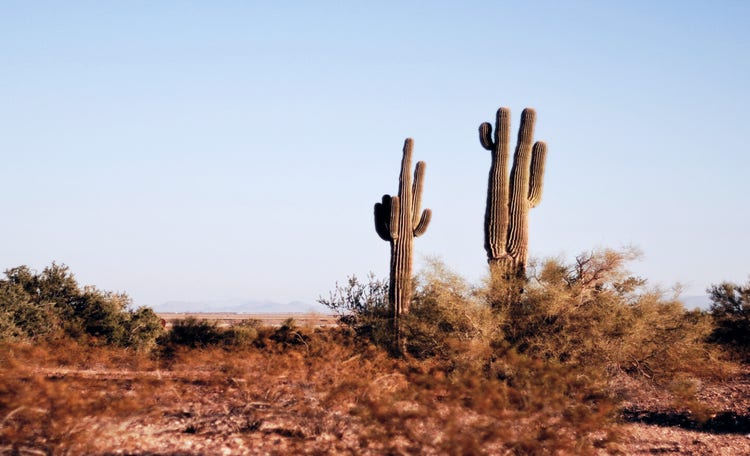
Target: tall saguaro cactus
(509,198)
(398,220)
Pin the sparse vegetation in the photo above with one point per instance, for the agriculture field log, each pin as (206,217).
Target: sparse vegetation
(590,319)
(555,373)
(592,312)
(330,394)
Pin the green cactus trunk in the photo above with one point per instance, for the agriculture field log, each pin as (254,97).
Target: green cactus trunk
(398,219)
(509,198)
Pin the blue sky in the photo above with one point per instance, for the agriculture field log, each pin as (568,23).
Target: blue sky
(233,150)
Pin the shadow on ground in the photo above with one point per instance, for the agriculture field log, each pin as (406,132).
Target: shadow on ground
(721,423)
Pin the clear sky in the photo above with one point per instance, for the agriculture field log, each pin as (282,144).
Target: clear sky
(232,150)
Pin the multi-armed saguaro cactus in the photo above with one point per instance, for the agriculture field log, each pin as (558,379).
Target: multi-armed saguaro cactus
(506,220)
(398,220)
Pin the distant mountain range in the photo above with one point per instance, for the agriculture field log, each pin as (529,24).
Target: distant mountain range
(240,306)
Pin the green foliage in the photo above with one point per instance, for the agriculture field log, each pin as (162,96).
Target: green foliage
(50,304)
(20,318)
(730,310)
(142,329)
(192,333)
(103,315)
(242,335)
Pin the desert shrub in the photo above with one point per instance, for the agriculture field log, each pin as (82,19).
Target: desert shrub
(55,285)
(103,315)
(29,303)
(50,304)
(590,315)
(363,307)
(448,317)
(143,328)
(730,311)
(20,318)
(193,333)
(289,334)
(594,312)
(242,335)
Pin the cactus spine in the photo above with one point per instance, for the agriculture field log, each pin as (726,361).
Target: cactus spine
(398,220)
(506,220)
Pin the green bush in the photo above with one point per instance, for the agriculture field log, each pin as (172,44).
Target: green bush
(103,316)
(20,318)
(193,333)
(730,310)
(242,335)
(142,329)
(50,304)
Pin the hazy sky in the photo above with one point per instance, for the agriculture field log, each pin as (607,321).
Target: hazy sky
(230,150)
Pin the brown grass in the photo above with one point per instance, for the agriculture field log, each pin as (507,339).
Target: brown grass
(585,362)
(328,395)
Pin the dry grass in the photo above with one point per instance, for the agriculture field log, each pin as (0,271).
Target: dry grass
(331,394)
(587,360)
(328,395)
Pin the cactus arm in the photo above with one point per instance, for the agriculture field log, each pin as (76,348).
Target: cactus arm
(395,217)
(382,218)
(536,180)
(485,136)
(423,222)
(416,192)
